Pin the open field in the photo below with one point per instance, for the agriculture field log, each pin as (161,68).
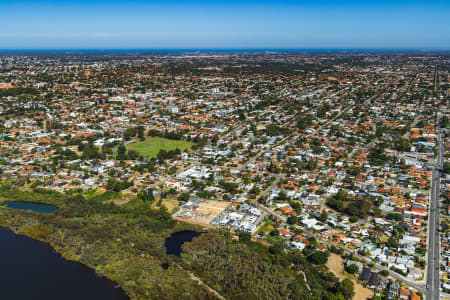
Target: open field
(170,204)
(153,145)
(203,213)
(336,265)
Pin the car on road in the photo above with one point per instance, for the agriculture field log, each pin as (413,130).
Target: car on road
(428,286)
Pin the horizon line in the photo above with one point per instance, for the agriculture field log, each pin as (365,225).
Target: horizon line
(221,49)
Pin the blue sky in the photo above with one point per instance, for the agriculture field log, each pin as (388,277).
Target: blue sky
(224,24)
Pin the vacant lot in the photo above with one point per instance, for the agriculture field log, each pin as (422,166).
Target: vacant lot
(203,213)
(152,146)
(336,265)
(170,204)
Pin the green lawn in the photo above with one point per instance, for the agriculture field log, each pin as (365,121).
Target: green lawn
(151,146)
(266,228)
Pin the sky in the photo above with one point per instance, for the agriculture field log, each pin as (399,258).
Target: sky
(245,24)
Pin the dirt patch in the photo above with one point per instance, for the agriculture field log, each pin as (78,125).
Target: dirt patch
(202,213)
(336,265)
(262,242)
(119,201)
(170,204)
(124,199)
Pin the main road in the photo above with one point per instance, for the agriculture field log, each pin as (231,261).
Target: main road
(433,265)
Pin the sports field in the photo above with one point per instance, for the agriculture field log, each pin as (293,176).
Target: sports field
(152,146)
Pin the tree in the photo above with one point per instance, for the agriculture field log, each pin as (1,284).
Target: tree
(318,258)
(121,152)
(140,132)
(353,219)
(312,242)
(90,152)
(292,220)
(351,268)
(323,217)
(446,168)
(255,190)
(336,297)
(276,248)
(392,242)
(379,132)
(229,187)
(132,155)
(244,236)
(274,130)
(162,155)
(274,232)
(146,195)
(184,197)
(346,288)
(282,196)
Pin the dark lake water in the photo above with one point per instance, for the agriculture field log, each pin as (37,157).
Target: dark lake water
(36,207)
(175,241)
(31,270)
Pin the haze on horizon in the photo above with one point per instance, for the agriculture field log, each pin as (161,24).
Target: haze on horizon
(224,24)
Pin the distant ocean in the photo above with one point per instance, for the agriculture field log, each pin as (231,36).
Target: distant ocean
(218,50)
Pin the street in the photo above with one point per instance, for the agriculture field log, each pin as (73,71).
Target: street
(433,265)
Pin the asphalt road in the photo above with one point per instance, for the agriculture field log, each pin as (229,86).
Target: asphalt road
(433,265)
